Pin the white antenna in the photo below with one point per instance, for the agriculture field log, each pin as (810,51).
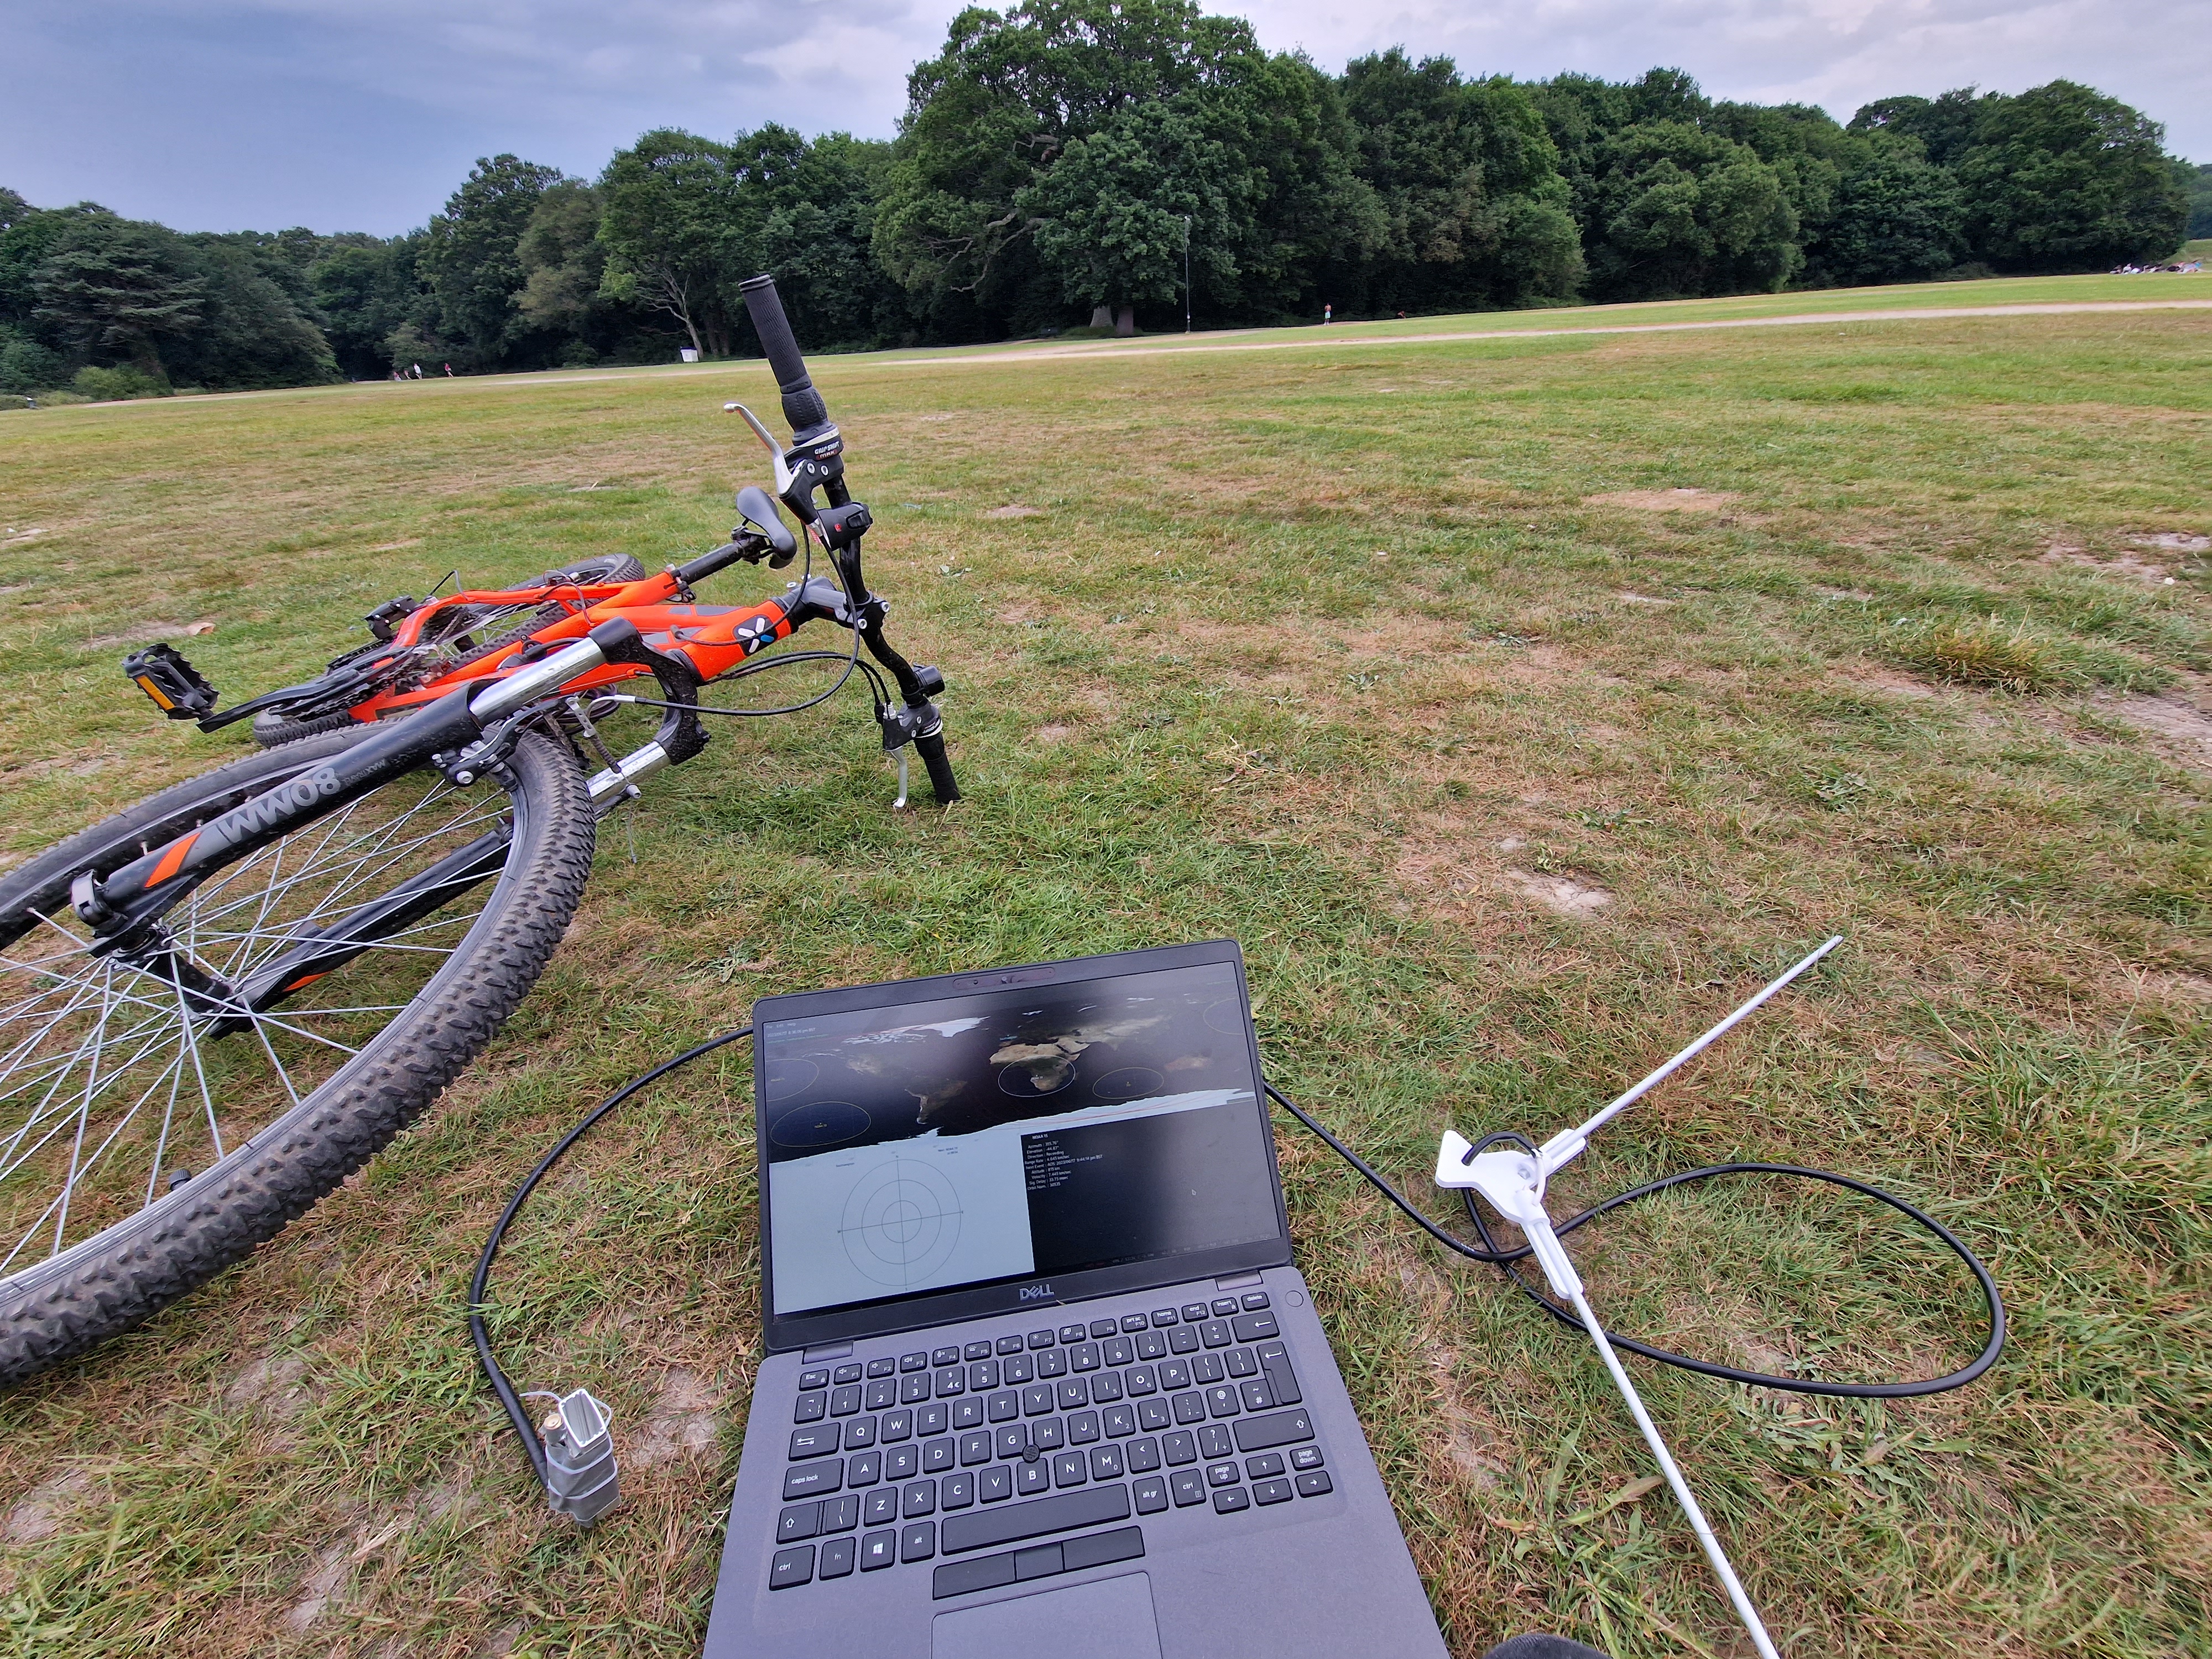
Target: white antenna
(1513,1182)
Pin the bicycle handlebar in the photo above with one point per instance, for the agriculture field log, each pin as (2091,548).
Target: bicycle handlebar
(754,548)
(802,404)
(931,747)
(810,420)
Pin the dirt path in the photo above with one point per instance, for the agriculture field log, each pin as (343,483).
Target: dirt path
(1296,340)
(1918,313)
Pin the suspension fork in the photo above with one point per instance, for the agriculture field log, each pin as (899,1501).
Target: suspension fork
(918,723)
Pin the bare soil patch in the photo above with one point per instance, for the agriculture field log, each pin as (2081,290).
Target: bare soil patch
(1891,680)
(1015,512)
(80,764)
(2188,728)
(1664,501)
(683,1421)
(1562,894)
(39,1512)
(147,632)
(272,1386)
(2177,988)
(2123,564)
(319,1587)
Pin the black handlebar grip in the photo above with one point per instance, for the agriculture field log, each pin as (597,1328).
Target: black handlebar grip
(708,563)
(802,404)
(932,750)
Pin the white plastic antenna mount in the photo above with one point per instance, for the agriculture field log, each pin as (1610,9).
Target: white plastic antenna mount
(1512,1183)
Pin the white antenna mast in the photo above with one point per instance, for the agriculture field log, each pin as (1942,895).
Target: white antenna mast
(1513,1182)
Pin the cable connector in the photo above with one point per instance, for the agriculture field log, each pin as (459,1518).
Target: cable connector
(580,1471)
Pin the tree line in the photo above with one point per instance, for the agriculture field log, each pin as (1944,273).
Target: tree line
(1101,164)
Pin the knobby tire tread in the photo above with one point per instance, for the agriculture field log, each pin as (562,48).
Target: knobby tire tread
(174,1248)
(272,728)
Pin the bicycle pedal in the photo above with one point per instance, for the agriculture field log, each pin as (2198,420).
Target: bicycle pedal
(172,685)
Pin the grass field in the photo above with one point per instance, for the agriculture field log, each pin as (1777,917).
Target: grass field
(1520,704)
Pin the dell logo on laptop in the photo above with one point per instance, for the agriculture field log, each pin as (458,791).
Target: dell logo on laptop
(1036,1293)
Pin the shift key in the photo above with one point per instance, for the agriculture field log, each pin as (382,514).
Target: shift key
(1259,1433)
(1276,1362)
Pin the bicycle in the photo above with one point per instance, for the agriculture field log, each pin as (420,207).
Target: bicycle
(219,1003)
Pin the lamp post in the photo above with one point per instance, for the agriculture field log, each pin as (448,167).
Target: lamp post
(1186,273)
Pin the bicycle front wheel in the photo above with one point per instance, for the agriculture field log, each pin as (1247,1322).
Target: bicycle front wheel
(168,1102)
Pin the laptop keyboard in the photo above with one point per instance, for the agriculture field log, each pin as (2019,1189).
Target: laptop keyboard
(949,1455)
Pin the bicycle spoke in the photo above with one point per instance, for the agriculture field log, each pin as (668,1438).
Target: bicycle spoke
(61,1075)
(296,1030)
(39,1114)
(77,1150)
(283,1075)
(242,962)
(111,1059)
(176,1074)
(174,1070)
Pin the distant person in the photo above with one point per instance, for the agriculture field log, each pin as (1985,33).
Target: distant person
(449,371)
(418,371)
(1328,312)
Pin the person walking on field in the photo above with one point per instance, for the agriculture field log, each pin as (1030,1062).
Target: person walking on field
(1327,313)
(449,371)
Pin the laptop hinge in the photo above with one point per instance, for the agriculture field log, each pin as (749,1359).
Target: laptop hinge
(1237,1281)
(827,1350)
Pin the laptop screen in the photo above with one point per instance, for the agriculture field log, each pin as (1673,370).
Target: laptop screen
(1011,1136)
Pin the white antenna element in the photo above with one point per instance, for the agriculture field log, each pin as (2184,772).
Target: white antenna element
(1513,1183)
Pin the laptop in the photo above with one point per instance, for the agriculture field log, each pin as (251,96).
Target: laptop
(1042,1380)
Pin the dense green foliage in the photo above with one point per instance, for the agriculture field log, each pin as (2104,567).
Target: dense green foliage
(2061,178)
(2197,181)
(83,290)
(1114,162)
(1061,156)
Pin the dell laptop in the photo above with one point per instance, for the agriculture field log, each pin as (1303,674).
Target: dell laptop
(1042,1380)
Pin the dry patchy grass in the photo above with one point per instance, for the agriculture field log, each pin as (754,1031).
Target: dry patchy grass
(1381,660)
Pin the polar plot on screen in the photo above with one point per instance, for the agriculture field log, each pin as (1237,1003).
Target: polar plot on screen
(902,1223)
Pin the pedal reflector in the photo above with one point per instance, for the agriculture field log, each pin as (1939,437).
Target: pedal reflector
(172,685)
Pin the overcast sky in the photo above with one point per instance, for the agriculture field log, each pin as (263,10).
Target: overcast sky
(365,114)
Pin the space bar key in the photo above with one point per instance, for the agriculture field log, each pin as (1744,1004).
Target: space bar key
(1087,1508)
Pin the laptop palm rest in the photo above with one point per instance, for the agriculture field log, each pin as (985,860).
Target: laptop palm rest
(1109,1619)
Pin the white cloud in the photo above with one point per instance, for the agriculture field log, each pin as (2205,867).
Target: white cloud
(366,113)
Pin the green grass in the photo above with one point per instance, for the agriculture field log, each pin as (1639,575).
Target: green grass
(1367,655)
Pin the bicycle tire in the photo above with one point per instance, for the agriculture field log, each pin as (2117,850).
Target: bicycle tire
(272,726)
(116,1278)
(600,569)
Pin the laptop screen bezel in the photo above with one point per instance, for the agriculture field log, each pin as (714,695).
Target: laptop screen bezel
(814,1329)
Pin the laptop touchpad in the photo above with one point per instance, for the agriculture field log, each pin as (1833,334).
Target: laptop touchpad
(1109,1619)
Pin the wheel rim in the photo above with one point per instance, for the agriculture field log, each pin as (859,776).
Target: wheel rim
(121,1071)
